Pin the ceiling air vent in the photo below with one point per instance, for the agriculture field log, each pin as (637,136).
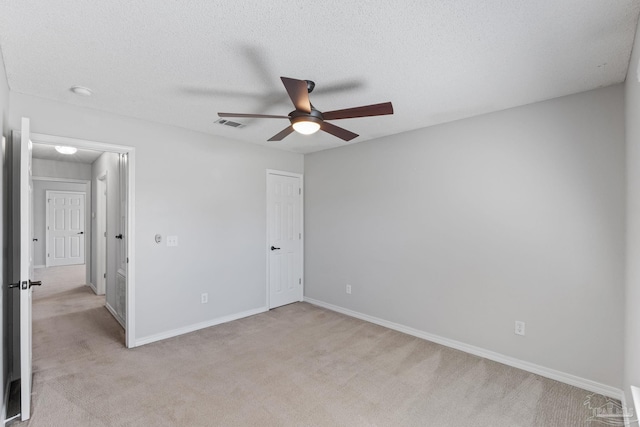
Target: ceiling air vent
(226,122)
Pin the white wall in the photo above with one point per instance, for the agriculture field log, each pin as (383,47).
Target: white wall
(60,169)
(4,127)
(460,229)
(208,191)
(632,296)
(40,189)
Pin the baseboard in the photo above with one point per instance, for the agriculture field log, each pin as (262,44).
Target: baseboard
(623,401)
(191,328)
(93,288)
(631,417)
(13,402)
(635,403)
(566,378)
(115,314)
(39,266)
(5,401)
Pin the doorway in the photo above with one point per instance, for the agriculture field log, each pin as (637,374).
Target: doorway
(41,214)
(116,230)
(22,152)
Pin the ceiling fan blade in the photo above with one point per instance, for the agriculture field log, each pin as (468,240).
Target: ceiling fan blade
(343,86)
(258,116)
(297,90)
(338,131)
(282,134)
(364,111)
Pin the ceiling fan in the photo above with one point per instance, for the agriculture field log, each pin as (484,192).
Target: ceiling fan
(306,120)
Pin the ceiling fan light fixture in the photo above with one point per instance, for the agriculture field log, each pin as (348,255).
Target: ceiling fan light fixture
(305,119)
(306,125)
(63,149)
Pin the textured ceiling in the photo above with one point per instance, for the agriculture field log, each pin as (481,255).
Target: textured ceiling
(180,62)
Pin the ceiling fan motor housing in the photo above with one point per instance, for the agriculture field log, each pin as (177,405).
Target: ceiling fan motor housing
(299,116)
(310,85)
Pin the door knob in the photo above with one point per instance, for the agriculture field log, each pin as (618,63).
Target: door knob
(38,283)
(81,232)
(35,240)
(273,248)
(13,285)
(119,236)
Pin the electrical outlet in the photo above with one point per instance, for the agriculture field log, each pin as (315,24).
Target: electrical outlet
(349,289)
(204,298)
(172,240)
(519,328)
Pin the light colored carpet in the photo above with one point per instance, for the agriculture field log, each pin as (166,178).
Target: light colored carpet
(297,365)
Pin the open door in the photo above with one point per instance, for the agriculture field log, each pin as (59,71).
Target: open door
(26,270)
(121,248)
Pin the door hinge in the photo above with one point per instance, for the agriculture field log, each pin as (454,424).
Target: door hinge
(299,190)
(299,236)
(105,275)
(48,255)
(300,281)
(105,234)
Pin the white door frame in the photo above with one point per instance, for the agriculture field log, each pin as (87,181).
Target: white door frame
(26,271)
(267,245)
(87,237)
(130,329)
(102,187)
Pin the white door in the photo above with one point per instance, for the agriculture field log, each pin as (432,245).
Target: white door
(284,223)
(101,235)
(26,270)
(121,248)
(65,228)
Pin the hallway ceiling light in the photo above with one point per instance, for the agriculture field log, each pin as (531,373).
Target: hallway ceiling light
(81,90)
(63,149)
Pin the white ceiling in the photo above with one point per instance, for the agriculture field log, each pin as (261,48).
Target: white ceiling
(181,62)
(48,152)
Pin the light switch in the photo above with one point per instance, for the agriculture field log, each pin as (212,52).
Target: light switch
(172,240)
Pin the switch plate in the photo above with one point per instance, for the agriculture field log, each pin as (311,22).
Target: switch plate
(519,328)
(349,289)
(172,240)
(204,298)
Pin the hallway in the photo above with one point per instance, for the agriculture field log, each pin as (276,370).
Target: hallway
(67,311)
(71,330)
